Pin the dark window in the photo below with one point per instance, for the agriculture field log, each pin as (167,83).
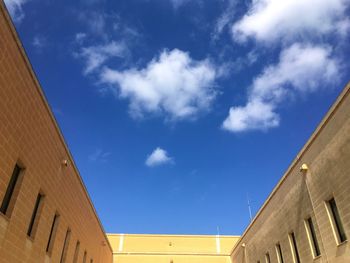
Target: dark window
(76,253)
(52,233)
(279,253)
(294,248)
(91,261)
(34,220)
(313,238)
(337,221)
(10,190)
(267,258)
(84,257)
(65,246)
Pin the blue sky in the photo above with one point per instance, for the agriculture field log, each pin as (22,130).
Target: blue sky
(176,110)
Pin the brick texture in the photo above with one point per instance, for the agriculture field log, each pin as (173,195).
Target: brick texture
(30,137)
(301,195)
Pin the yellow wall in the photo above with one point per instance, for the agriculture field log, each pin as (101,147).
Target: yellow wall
(171,248)
(303,194)
(30,137)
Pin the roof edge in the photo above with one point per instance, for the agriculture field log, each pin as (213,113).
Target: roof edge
(52,117)
(330,113)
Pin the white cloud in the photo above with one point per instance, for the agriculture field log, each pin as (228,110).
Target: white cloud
(80,37)
(15,9)
(301,69)
(99,156)
(254,115)
(173,84)
(225,18)
(178,3)
(269,20)
(39,42)
(158,157)
(96,56)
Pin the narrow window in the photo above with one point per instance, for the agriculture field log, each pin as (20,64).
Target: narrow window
(279,253)
(65,246)
(310,230)
(76,253)
(35,218)
(11,191)
(91,261)
(267,258)
(294,248)
(336,221)
(52,235)
(84,257)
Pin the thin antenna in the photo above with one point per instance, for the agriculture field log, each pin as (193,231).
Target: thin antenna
(249,208)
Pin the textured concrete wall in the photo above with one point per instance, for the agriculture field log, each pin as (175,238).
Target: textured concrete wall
(171,248)
(300,195)
(29,136)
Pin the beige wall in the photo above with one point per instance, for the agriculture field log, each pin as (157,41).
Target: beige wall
(29,136)
(300,195)
(175,248)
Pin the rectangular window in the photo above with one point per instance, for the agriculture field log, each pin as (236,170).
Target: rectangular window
(294,248)
(91,261)
(279,253)
(35,216)
(337,224)
(65,246)
(311,234)
(76,253)
(85,255)
(11,192)
(52,235)
(267,258)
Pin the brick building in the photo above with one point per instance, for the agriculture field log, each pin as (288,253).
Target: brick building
(46,214)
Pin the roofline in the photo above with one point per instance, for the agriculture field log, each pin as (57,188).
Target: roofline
(171,235)
(345,92)
(53,119)
(168,254)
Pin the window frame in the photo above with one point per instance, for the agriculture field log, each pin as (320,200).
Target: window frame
(312,237)
(294,247)
(36,214)
(336,221)
(12,191)
(65,245)
(279,253)
(53,232)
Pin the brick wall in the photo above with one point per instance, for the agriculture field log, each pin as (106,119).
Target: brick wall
(300,195)
(29,136)
(135,248)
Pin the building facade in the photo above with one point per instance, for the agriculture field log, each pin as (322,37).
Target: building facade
(171,248)
(47,216)
(307,216)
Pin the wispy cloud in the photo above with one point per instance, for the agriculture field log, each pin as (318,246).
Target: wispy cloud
(80,37)
(99,156)
(158,157)
(39,42)
(178,3)
(225,18)
(15,8)
(173,84)
(95,56)
(271,20)
(301,69)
